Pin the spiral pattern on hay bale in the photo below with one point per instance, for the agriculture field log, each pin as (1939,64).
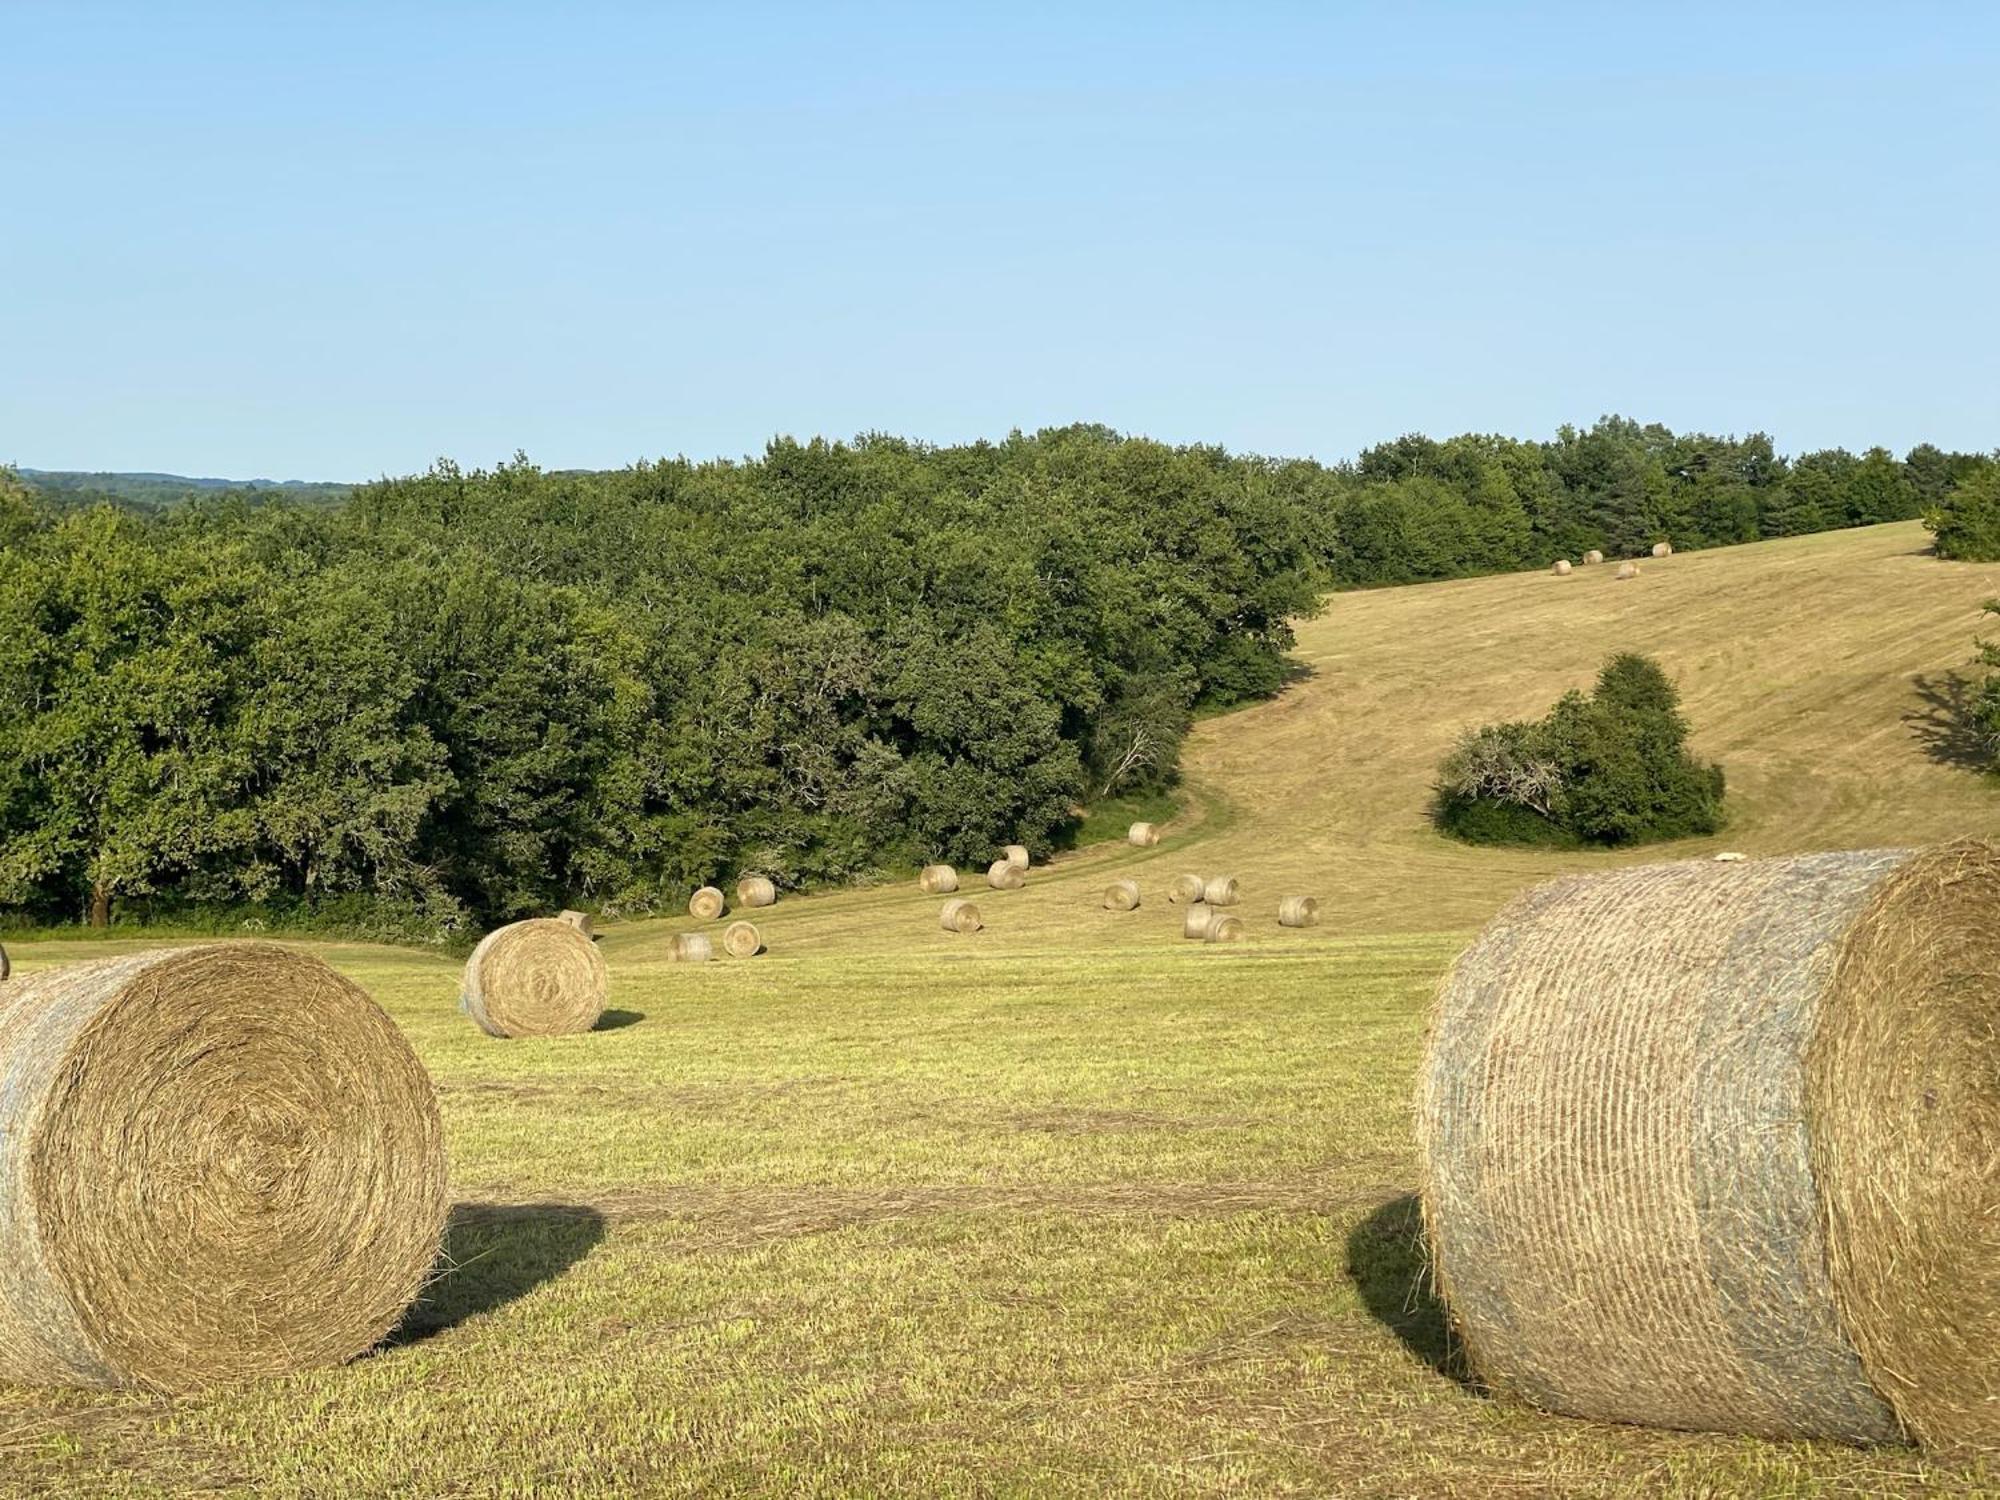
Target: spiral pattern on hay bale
(1122,895)
(755,890)
(1713,1146)
(217,1163)
(1143,835)
(541,977)
(937,880)
(1003,876)
(1663,549)
(1298,911)
(1016,855)
(960,915)
(1183,889)
(1221,890)
(1195,920)
(742,940)
(1562,568)
(578,919)
(706,904)
(1593,557)
(690,948)
(1226,929)
(1627,570)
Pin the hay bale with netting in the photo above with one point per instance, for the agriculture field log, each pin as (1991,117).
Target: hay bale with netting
(1593,557)
(1227,929)
(1122,895)
(691,948)
(1663,549)
(577,919)
(217,1163)
(1626,570)
(537,978)
(1195,920)
(706,904)
(1712,1146)
(937,880)
(1562,568)
(960,915)
(1016,855)
(755,890)
(1003,876)
(1143,835)
(742,940)
(1298,911)
(1221,890)
(1184,889)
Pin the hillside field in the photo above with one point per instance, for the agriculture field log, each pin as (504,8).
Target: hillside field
(1072,1206)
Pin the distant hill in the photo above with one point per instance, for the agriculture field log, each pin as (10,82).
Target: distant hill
(156,491)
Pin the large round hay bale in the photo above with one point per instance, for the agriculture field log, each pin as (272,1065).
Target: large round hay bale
(537,978)
(691,948)
(706,904)
(1226,929)
(742,940)
(1183,889)
(755,890)
(1195,920)
(1143,835)
(1593,557)
(1016,855)
(1005,876)
(1298,911)
(1663,549)
(1122,895)
(960,916)
(217,1163)
(580,920)
(937,880)
(1714,1146)
(1562,568)
(1221,890)
(1626,570)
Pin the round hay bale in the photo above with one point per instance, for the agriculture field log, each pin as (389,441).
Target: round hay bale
(1221,890)
(1730,857)
(536,978)
(1298,911)
(578,919)
(1122,895)
(1593,557)
(960,916)
(755,890)
(1185,888)
(1562,568)
(1195,920)
(1663,549)
(1016,855)
(742,940)
(1713,1146)
(1143,835)
(1627,570)
(691,948)
(1225,929)
(217,1163)
(937,880)
(706,904)
(1003,876)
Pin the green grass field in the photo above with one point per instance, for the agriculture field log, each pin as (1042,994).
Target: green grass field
(1072,1207)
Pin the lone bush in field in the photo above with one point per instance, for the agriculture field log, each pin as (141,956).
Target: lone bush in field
(1610,768)
(1967,520)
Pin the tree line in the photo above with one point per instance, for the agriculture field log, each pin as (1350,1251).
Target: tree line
(465,695)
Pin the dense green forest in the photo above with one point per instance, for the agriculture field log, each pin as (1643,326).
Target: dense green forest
(462,696)
(158,491)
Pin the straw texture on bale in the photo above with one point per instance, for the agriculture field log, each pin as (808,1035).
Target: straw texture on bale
(217,1163)
(1298,911)
(1227,929)
(1562,568)
(577,919)
(1713,1146)
(1627,570)
(1003,876)
(938,880)
(742,940)
(1016,855)
(690,948)
(755,890)
(706,904)
(1593,557)
(537,978)
(960,916)
(1185,888)
(1143,835)
(1122,895)
(1663,549)
(1195,920)
(1221,890)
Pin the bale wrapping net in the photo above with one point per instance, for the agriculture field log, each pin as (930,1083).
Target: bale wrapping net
(217,1163)
(1122,895)
(706,904)
(541,977)
(1221,890)
(1717,1146)
(1195,920)
(1298,911)
(1143,835)
(755,890)
(1003,876)
(742,940)
(960,916)
(690,948)
(937,880)
(1016,855)
(1183,889)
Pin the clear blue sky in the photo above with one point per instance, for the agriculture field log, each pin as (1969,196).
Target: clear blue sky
(331,241)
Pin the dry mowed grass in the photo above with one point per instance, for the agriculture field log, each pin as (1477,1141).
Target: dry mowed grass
(1072,1207)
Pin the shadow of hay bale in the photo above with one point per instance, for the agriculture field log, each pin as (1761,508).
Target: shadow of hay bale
(617,1020)
(1385,1258)
(495,1254)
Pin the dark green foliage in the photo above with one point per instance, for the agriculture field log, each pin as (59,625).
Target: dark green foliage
(1610,768)
(1967,519)
(1986,712)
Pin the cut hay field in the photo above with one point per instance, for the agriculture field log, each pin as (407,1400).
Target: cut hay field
(1072,1207)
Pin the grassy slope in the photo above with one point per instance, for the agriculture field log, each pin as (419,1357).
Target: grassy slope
(1070,1207)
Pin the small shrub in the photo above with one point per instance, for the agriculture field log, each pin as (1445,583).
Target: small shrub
(1967,521)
